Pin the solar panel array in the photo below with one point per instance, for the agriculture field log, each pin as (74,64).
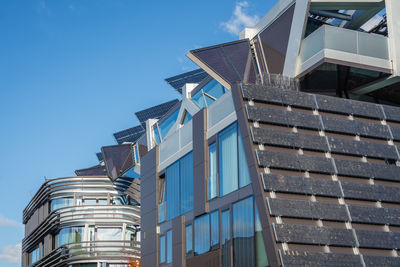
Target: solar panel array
(194,76)
(100,156)
(129,135)
(155,112)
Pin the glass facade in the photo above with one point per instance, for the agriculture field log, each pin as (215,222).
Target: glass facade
(179,187)
(261,253)
(202,234)
(70,235)
(214,222)
(35,256)
(208,94)
(243,232)
(59,203)
(212,171)
(169,246)
(226,239)
(167,124)
(233,169)
(108,234)
(189,239)
(162,249)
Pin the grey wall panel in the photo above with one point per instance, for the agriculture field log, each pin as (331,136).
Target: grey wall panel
(339,125)
(334,104)
(368,110)
(375,239)
(319,259)
(392,113)
(372,261)
(366,214)
(353,168)
(304,120)
(283,183)
(273,137)
(266,115)
(298,99)
(308,234)
(262,94)
(370,129)
(276,159)
(316,164)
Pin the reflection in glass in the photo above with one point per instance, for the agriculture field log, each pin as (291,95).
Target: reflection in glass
(156,134)
(212,171)
(90,201)
(243,232)
(189,241)
(169,246)
(214,221)
(208,94)
(202,234)
(59,203)
(172,190)
(261,253)
(228,160)
(70,235)
(186,182)
(226,238)
(35,256)
(167,124)
(162,248)
(244,174)
(107,234)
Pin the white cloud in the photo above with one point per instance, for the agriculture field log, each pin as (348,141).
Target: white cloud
(370,24)
(11,253)
(5,222)
(240,19)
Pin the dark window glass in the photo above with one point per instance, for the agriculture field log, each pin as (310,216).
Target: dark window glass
(226,239)
(214,221)
(243,232)
(169,246)
(189,240)
(162,249)
(212,171)
(202,234)
(228,160)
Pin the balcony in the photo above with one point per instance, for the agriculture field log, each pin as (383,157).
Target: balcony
(345,47)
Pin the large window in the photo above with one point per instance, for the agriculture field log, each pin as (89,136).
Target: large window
(70,235)
(261,253)
(226,238)
(233,169)
(202,234)
(169,246)
(161,129)
(212,171)
(214,222)
(59,203)
(189,239)
(108,234)
(179,187)
(35,255)
(243,232)
(208,94)
(162,249)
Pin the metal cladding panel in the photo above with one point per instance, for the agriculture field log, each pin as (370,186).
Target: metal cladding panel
(129,135)
(309,234)
(274,41)
(299,258)
(194,76)
(118,159)
(155,112)
(229,60)
(92,171)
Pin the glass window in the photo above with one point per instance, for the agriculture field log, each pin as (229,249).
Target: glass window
(162,249)
(228,160)
(102,201)
(169,246)
(35,256)
(107,234)
(90,201)
(172,190)
(136,151)
(59,203)
(167,124)
(261,253)
(186,118)
(70,235)
(202,234)
(131,234)
(208,94)
(186,182)
(161,212)
(156,133)
(244,174)
(189,241)
(212,171)
(214,221)
(226,238)
(243,232)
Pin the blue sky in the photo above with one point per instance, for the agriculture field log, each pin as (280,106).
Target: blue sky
(74,72)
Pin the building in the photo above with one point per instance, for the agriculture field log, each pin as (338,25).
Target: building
(287,152)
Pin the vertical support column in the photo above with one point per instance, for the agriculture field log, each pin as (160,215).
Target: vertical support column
(178,241)
(200,163)
(393,24)
(150,244)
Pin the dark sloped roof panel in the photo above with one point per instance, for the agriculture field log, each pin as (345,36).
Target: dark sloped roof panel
(194,76)
(118,159)
(99,156)
(92,171)
(155,112)
(129,135)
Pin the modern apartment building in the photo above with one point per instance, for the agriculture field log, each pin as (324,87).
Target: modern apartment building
(283,151)
(287,152)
